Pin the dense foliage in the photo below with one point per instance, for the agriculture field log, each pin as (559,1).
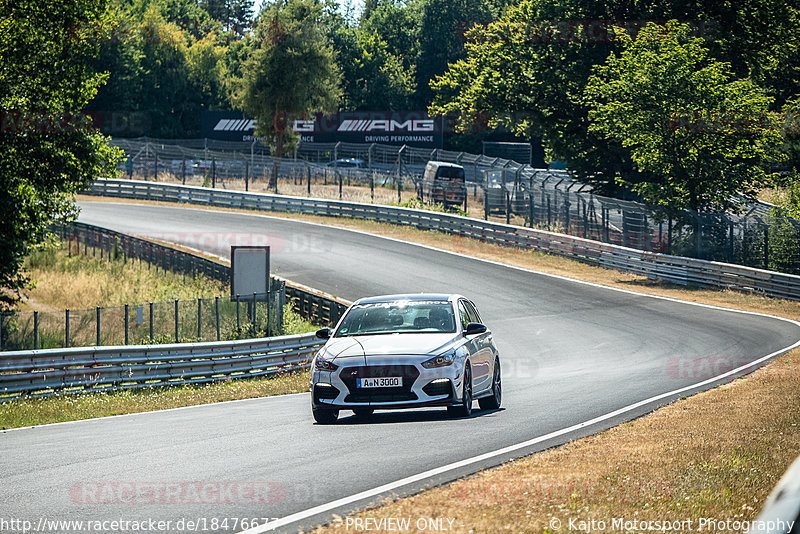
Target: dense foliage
(48,150)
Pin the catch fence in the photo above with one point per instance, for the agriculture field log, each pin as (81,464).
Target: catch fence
(495,189)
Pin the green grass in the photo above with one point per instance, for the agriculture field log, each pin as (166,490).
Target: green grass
(39,411)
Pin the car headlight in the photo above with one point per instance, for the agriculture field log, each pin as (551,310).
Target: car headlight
(321,364)
(442,360)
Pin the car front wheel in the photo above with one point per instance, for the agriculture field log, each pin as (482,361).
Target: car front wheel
(325,417)
(493,402)
(465,408)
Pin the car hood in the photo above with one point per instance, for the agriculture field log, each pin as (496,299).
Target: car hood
(389,344)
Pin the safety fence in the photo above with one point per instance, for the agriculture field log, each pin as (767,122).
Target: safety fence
(677,269)
(210,319)
(496,189)
(84,369)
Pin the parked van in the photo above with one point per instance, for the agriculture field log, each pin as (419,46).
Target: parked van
(445,183)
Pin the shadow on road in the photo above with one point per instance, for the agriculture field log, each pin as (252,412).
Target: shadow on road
(409,416)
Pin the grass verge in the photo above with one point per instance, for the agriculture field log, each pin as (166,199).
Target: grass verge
(715,455)
(33,411)
(78,281)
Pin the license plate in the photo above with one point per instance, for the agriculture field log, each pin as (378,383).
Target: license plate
(380,382)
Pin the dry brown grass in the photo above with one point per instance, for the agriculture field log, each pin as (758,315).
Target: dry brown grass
(76,282)
(714,455)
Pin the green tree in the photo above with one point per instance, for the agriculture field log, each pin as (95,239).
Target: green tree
(528,70)
(396,23)
(292,70)
(696,135)
(48,151)
(373,78)
(440,34)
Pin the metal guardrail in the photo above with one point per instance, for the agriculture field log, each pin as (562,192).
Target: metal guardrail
(675,269)
(55,371)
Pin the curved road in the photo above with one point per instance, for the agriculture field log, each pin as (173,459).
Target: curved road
(571,352)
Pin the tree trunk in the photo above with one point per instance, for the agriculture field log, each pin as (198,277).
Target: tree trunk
(273,181)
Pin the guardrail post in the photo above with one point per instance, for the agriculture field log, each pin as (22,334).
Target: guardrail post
(669,236)
(238,321)
(531,199)
(97,326)
(399,188)
(66,328)
(253,316)
(35,330)
(216,313)
(177,323)
(214,173)
(308,179)
(372,186)
(199,319)
(508,206)
(2,316)
(269,301)
(486,204)
(339,176)
(246,175)
(126,324)
(151,321)
(766,246)
(730,242)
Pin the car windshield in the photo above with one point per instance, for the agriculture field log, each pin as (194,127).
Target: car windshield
(400,316)
(451,172)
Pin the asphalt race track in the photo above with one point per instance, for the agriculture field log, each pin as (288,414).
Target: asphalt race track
(571,352)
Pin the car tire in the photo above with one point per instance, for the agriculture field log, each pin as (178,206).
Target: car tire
(325,417)
(493,401)
(364,412)
(465,408)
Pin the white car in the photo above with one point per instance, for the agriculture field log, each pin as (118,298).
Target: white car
(406,351)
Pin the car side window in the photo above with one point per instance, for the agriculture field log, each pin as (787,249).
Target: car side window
(463,314)
(473,312)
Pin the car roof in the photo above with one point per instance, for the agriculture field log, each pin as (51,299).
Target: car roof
(444,164)
(413,297)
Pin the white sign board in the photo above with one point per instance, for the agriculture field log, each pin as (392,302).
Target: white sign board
(249,271)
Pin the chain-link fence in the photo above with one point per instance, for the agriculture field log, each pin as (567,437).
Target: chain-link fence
(493,188)
(178,321)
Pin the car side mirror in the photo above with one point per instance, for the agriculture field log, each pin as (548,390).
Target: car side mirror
(474,328)
(325,333)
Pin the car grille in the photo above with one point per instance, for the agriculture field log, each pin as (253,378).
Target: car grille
(404,393)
